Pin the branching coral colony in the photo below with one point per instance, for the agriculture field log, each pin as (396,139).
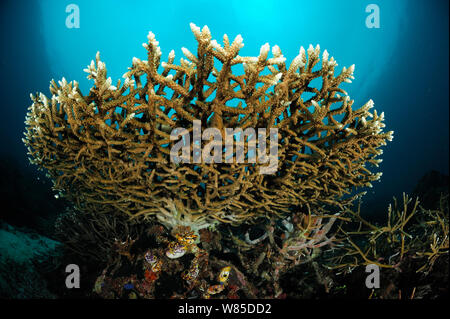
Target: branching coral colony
(104,158)
(109,151)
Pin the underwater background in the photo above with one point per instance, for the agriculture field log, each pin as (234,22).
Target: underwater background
(402,66)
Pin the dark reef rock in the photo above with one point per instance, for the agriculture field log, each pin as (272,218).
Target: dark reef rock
(430,188)
(25,258)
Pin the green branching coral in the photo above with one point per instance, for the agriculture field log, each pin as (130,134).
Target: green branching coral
(109,150)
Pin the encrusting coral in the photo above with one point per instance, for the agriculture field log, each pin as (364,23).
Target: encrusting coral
(109,151)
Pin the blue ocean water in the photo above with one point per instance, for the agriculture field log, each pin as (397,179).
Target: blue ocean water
(402,65)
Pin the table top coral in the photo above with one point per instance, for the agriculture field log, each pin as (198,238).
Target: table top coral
(110,150)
